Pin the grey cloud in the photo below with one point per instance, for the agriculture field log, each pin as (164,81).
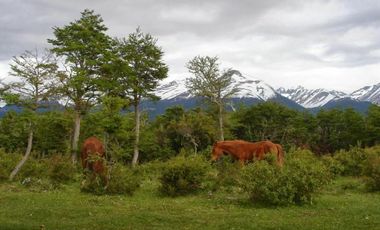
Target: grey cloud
(266,34)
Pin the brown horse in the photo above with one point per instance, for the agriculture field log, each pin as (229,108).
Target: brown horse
(93,157)
(245,151)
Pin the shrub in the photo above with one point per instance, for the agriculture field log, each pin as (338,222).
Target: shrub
(121,180)
(183,175)
(307,176)
(151,169)
(351,161)
(227,175)
(371,172)
(7,163)
(296,182)
(61,170)
(335,167)
(34,168)
(93,184)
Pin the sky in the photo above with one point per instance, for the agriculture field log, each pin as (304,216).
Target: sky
(332,44)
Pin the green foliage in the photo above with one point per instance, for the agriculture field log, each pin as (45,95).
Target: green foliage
(84,46)
(7,163)
(92,184)
(371,169)
(351,160)
(228,175)
(183,175)
(138,66)
(177,129)
(61,170)
(275,122)
(34,168)
(336,168)
(121,180)
(373,125)
(211,84)
(340,129)
(52,133)
(296,182)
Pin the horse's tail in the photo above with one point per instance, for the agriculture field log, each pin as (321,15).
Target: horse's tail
(280,154)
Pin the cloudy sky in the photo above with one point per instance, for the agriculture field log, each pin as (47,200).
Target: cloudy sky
(317,44)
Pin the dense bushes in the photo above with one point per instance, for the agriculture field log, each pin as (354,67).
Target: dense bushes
(7,163)
(371,169)
(183,175)
(61,170)
(227,176)
(297,182)
(121,180)
(351,161)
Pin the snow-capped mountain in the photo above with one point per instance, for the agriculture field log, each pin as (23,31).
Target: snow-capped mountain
(311,98)
(368,93)
(248,88)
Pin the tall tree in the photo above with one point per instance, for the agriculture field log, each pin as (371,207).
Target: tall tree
(139,69)
(85,48)
(212,84)
(35,72)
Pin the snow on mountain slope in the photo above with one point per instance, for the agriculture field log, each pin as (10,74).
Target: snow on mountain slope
(173,90)
(311,98)
(368,93)
(248,88)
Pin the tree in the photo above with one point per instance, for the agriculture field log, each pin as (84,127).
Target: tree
(139,69)
(373,125)
(35,72)
(86,50)
(208,82)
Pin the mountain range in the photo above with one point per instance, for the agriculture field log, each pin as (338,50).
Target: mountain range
(253,91)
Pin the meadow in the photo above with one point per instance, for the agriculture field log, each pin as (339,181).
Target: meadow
(344,204)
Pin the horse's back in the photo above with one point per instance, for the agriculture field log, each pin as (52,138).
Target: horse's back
(91,146)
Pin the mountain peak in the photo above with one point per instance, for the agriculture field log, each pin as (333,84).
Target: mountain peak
(248,88)
(368,93)
(310,98)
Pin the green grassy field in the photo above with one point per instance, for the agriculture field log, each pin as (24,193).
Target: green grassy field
(343,205)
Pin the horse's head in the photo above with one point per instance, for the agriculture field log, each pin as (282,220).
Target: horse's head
(216,152)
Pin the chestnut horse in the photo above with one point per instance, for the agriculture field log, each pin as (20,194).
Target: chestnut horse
(245,151)
(93,157)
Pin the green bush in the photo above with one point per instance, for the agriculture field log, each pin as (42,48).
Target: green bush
(121,180)
(296,182)
(93,184)
(7,163)
(61,170)
(371,172)
(227,175)
(183,175)
(351,161)
(151,170)
(34,168)
(335,167)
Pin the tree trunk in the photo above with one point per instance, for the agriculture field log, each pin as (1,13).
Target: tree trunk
(221,133)
(74,146)
(137,136)
(25,157)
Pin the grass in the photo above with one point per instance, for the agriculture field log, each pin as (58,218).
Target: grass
(343,205)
